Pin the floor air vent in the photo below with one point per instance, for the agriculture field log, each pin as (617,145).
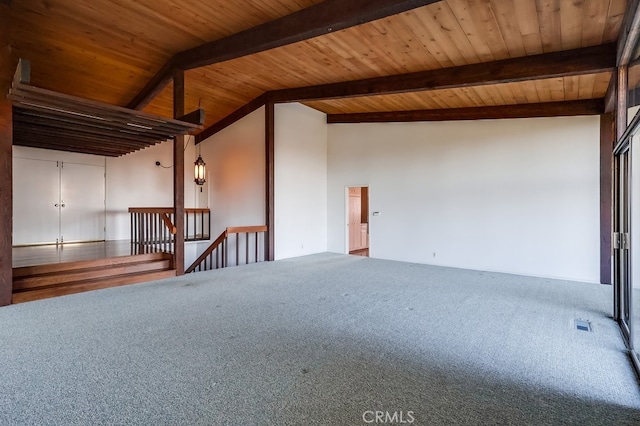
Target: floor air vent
(583,325)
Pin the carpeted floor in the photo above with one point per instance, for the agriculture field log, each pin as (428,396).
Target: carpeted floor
(320,340)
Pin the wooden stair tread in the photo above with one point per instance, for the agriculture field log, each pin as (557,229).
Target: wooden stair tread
(25,271)
(91,284)
(70,276)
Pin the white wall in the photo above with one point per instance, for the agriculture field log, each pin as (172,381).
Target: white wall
(235,160)
(518,196)
(300,181)
(134,180)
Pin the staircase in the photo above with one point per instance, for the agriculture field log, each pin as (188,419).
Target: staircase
(58,279)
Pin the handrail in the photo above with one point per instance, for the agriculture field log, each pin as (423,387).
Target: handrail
(167,222)
(214,245)
(246,229)
(151,210)
(158,210)
(222,240)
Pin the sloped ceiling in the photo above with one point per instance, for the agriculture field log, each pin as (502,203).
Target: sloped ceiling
(107,50)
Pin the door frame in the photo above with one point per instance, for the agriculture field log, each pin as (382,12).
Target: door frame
(622,267)
(625,146)
(346,215)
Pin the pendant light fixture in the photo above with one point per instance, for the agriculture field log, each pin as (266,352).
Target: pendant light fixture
(200,170)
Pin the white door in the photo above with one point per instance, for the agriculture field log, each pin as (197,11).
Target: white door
(36,198)
(82,202)
(57,202)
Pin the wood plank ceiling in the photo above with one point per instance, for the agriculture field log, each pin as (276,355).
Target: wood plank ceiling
(107,50)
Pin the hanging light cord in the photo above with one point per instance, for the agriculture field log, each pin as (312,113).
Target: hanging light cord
(171,166)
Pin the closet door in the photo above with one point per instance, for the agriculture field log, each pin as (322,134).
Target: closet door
(36,192)
(82,202)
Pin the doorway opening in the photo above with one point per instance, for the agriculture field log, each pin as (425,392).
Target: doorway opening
(358,220)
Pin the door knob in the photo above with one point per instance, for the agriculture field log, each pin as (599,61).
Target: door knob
(56,205)
(62,205)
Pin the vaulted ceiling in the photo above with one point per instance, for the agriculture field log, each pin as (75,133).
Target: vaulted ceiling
(108,50)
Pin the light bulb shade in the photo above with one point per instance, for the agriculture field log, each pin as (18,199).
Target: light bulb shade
(200,171)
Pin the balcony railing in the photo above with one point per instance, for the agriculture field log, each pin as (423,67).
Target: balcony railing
(153,229)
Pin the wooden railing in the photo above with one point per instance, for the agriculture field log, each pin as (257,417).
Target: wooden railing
(153,229)
(217,254)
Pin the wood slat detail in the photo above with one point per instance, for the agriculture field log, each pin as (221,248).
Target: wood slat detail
(53,120)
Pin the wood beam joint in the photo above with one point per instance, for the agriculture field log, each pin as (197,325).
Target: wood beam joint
(154,86)
(241,112)
(322,18)
(194,117)
(628,40)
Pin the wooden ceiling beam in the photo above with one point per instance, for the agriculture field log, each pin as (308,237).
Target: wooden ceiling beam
(546,109)
(322,18)
(154,86)
(629,34)
(610,97)
(587,60)
(194,117)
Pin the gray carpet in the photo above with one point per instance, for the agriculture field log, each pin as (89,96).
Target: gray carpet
(319,340)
